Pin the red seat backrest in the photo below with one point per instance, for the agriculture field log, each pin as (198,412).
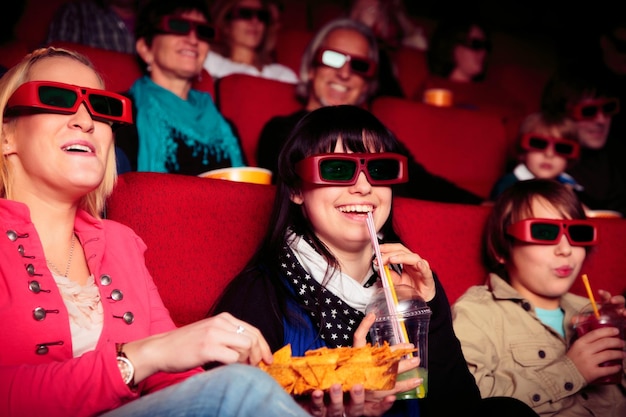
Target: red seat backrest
(12,52)
(290,45)
(448,236)
(119,70)
(605,265)
(412,69)
(200,232)
(32,26)
(466,147)
(249,102)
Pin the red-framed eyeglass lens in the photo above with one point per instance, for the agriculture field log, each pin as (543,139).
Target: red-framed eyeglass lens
(177,25)
(336,59)
(565,147)
(549,231)
(61,98)
(384,168)
(588,110)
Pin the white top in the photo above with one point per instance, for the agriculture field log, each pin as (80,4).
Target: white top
(84,308)
(219,66)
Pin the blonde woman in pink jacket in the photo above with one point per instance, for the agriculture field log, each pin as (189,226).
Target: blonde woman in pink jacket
(84,331)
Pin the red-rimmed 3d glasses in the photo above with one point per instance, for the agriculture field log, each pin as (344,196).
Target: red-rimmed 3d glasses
(54,97)
(384,168)
(588,110)
(564,147)
(476,44)
(335,59)
(549,231)
(176,25)
(249,13)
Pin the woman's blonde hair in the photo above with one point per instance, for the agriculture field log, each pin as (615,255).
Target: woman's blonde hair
(94,201)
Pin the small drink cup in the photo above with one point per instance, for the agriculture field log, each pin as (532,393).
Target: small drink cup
(413,316)
(609,316)
(439,97)
(253,175)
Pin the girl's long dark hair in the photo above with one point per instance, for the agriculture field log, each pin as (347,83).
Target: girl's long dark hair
(317,132)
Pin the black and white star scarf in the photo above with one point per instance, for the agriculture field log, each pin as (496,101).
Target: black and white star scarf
(335,319)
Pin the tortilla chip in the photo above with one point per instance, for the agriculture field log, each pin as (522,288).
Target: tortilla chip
(376,367)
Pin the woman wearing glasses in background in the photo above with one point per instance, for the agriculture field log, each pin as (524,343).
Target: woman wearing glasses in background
(178,128)
(318,242)
(84,330)
(245,42)
(516,330)
(459,50)
(457,59)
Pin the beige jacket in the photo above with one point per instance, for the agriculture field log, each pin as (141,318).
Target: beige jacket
(511,353)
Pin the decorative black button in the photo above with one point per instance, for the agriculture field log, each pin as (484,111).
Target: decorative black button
(22,252)
(541,354)
(30,270)
(42,348)
(568,386)
(536,397)
(116,295)
(526,305)
(128,317)
(34,287)
(105,279)
(40,313)
(13,236)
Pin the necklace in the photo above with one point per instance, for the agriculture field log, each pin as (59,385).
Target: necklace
(69,261)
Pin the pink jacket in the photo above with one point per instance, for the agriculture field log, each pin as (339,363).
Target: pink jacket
(38,374)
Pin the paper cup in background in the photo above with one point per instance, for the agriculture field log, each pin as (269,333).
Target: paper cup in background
(242,174)
(439,97)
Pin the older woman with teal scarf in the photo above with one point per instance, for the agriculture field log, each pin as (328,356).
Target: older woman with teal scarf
(177,129)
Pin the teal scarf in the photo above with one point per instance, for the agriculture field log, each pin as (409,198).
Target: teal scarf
(162,116)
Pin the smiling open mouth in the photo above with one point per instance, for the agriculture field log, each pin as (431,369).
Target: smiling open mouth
(78,148)
(356,209)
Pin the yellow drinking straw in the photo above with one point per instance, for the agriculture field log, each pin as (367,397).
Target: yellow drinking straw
(590,294)
(394,295)
(399,328)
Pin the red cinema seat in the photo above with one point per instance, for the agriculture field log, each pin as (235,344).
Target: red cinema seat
(448,236)
(119,70)
(290,45)
(249,102)
(32,26)
(412,69)
(200,232)
(605,264)
(12,52)
(466,147)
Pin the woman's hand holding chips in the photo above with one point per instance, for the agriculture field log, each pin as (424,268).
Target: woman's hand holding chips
(416,271)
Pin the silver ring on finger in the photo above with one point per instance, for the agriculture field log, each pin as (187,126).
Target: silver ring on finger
(240,329)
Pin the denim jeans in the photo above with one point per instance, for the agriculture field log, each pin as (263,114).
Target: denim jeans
(228,391)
